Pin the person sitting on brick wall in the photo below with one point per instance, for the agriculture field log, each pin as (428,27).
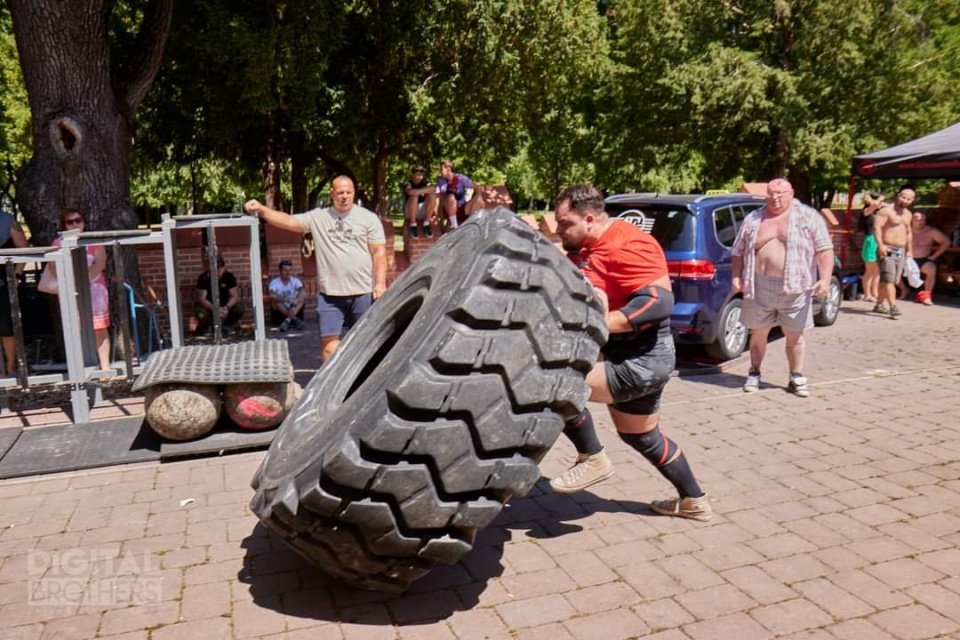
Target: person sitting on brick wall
(452,189)
(231,307)
(286,297)
(421,203)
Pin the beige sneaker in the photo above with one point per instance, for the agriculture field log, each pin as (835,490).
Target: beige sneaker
(693,508)
(587,470)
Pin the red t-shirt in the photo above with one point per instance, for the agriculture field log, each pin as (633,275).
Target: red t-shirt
(623,260)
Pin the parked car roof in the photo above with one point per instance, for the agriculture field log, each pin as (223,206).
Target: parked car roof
(679,199)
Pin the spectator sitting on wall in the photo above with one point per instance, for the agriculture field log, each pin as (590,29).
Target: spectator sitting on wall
(452,189)
(231,308)
(421,203)
(286,296)
(11,236)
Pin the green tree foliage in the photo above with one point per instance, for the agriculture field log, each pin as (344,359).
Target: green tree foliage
(704,93)
(14,111)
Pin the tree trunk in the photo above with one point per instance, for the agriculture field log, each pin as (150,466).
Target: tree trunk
(801,185)
(380,163)
(272,196)
(298,172)
(81,109)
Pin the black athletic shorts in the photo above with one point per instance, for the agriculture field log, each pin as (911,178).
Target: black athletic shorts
(638,368)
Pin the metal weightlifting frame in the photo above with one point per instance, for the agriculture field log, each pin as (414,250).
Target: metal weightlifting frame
(83,372)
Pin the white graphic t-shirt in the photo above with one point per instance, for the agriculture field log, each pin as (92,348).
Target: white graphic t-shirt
(287,292)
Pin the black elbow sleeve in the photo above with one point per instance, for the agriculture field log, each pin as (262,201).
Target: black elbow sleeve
(648,306)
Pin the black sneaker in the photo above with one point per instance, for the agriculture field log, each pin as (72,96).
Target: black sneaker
(428,231)
(413,231)
(894,312)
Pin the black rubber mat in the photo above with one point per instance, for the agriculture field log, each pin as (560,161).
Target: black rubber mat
(112,442)
(225,437)
(80,446)
(7,438)
(249,361)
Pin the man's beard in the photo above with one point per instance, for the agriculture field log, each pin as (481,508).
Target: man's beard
(570,246)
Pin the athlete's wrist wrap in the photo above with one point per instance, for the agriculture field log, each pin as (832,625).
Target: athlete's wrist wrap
(648,306)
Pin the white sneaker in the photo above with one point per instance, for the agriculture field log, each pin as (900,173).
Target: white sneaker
(752,383)
(587,471)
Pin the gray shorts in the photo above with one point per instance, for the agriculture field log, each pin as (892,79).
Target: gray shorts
(770,306)
(638,368)
(338,314)
(891,265)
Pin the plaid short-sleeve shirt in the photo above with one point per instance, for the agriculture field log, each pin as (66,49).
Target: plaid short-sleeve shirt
(807,235)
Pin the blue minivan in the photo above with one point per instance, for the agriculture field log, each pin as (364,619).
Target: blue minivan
(697,234)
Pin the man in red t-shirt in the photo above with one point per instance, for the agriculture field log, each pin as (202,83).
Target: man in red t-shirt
(627,269)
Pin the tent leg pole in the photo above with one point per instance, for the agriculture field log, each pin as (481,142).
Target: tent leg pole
(846,219)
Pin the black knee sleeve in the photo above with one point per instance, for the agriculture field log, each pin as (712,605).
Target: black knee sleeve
(666,456)
(653,445)
(582,433)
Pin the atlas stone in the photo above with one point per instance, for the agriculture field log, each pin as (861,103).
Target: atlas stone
(182,411)
(260,405)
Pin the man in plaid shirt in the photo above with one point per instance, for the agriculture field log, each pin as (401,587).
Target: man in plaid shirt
(777,255)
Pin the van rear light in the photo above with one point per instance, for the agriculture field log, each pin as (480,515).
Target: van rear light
(691,269)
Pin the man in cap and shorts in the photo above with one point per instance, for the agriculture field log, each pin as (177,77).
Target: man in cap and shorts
(777,256)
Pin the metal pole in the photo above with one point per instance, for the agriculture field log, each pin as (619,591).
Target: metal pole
(124,307)
(20,351)
(169,226)
(843,245)
(76,374)
(214,283)
(256,284)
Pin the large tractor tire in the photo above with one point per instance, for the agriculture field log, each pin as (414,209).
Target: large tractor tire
(436,408)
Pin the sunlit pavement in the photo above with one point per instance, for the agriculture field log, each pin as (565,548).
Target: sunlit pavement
(836,516)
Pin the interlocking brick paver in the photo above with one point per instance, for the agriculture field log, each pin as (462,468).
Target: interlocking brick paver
(903,573)
(859,629)
(586,569)
(424,607)
(913,622)
(142,617)
(534,612)
(690,572)
(77,627)
(209,629)
(791,616)
(715,601)
(650,581)
(837,602)
(728,556)
(869,589)
(736,625)
(537,583)
(603,597)
(554,631)
(258,618)
(781,545)
(759,585)
(795,568)
(663,614)
(609,625)
(482,624)
(205,601)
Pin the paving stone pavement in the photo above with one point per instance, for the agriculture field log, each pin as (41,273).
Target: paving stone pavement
(836,517)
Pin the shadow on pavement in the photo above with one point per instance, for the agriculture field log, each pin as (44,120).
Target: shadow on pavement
(280,580)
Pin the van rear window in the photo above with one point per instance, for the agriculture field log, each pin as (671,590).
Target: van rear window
(673,227)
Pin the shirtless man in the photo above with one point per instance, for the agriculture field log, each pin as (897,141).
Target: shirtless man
(924,238)
(783,255)
(891,228)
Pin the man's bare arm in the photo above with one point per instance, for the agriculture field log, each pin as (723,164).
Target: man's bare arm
(942,242)
(878,222)
(272,217)
(379,253)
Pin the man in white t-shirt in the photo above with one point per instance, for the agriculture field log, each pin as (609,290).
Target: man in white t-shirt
(350,249)
(286,298)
